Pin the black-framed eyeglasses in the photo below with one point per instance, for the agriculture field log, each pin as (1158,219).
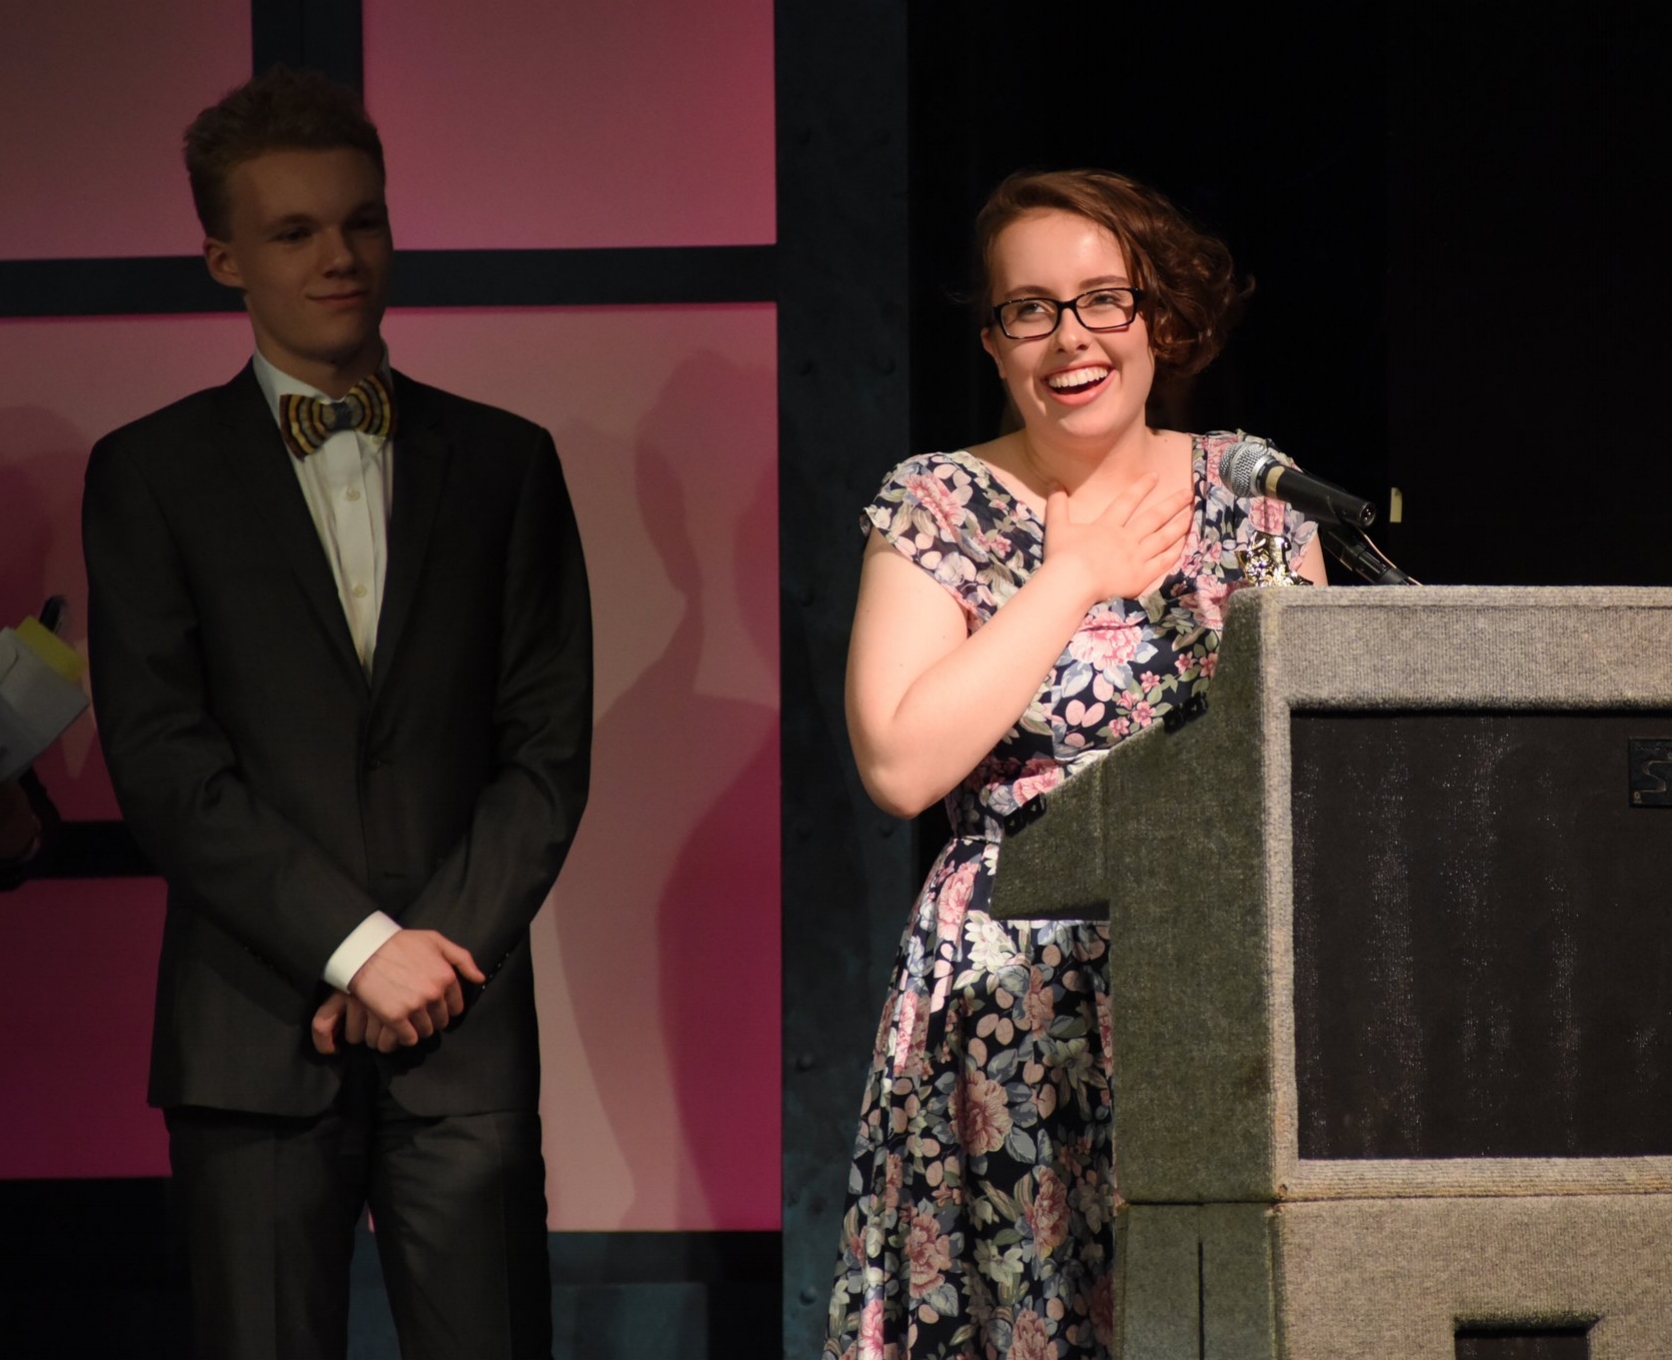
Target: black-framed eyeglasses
(1101,309)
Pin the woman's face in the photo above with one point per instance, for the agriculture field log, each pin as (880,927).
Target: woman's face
(1074,386)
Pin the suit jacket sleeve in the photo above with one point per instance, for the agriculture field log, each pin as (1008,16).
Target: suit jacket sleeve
(487,890)
(222,848)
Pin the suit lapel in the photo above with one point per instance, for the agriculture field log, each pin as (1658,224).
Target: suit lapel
(422,453)
(255,451)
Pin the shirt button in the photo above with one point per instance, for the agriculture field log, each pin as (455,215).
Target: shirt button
(359,592)
(353,493)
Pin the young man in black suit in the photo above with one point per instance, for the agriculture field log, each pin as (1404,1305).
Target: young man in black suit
(341,661)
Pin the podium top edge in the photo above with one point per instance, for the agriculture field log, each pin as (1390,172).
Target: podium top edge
(1452,597)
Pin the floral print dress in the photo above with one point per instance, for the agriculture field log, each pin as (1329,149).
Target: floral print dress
(981,1197)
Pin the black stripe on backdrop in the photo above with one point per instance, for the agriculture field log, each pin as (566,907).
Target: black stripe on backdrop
(320,35)
(624,276)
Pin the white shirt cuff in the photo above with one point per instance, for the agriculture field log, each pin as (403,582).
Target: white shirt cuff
(363,941)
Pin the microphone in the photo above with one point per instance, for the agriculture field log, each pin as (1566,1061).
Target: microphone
(1251,468)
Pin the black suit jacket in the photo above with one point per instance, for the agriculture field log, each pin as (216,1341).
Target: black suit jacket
(284,797)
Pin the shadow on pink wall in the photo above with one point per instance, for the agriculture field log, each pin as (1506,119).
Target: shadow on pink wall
(675,915)
(75,1091)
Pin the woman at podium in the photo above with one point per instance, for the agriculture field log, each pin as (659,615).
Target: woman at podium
(1025,605)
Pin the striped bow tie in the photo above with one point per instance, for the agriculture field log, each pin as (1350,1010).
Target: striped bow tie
(307,422)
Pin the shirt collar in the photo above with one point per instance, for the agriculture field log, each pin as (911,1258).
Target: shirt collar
(276,383)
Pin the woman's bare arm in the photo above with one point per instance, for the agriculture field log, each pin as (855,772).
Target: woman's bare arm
(926,700)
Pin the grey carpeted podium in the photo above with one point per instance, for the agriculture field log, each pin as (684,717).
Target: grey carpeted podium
(1391,972)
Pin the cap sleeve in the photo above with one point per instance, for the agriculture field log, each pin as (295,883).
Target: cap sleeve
(930,510)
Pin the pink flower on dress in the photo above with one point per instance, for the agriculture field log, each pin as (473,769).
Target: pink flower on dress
(871,1345)
(1207,601)
(1105,1029)
(1037,1005)
(905,1029)
(1142,713)
(1210,663)
(1030,1338)
(983,1115)
(940,501)
(1266,515)
(953,901)
(929,1251)
(1049,1215)
(1039,775)
(1107,638)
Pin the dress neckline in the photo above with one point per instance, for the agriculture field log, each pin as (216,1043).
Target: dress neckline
(991,483)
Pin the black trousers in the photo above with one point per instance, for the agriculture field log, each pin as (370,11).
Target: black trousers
(269,1207)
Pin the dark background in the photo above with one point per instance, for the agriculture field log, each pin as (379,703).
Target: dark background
(1444,216)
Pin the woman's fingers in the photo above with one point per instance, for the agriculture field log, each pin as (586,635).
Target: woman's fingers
(1056,509)
(1157,509)
(1135,540)
(1168,534)
(1124,506)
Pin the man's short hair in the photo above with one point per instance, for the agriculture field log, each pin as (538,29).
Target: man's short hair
(283,110)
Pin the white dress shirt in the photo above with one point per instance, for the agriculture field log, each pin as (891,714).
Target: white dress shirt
(349,485)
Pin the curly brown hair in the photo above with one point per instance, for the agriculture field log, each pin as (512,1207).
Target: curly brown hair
(1193,292)
(283,110)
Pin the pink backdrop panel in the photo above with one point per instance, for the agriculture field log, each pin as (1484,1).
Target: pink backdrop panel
(515,124)
(94,96)
(75,1091)
(658,956)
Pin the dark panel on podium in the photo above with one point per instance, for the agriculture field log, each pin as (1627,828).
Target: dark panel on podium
(1483,946)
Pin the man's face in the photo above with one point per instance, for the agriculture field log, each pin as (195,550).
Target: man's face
(309,247)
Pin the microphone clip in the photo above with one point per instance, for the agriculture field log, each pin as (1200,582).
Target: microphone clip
(1351,547)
